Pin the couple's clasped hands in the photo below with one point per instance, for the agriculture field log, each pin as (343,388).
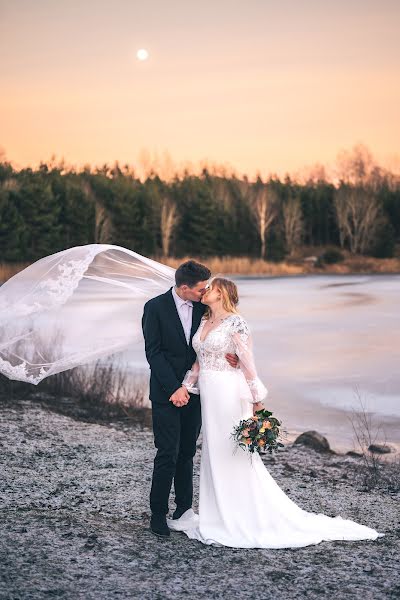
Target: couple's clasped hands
(181,396)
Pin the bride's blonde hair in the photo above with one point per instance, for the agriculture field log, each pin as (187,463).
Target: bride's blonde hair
(229,294)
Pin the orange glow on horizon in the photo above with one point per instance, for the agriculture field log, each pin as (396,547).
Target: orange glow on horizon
(273,103)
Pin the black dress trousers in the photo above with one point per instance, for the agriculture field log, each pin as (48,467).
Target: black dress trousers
(175,429)
(175,435)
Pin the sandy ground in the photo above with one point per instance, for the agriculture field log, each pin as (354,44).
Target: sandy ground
(74,522)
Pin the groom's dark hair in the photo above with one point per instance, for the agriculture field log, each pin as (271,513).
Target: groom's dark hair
(191,272)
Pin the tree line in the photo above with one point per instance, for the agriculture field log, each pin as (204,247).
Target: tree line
(51,208)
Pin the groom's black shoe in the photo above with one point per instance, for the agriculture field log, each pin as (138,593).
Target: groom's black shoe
(179,512)
(158,526)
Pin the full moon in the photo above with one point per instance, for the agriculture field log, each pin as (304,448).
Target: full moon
(142,54)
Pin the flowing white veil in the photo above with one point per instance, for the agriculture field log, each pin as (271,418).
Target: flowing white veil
(75,306)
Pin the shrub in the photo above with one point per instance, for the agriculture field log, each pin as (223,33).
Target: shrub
(331,256)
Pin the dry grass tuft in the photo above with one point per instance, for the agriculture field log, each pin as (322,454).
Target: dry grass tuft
(99,383)
(376,472)
(243,265)
(233,265)
(296,265)
(8,270)
(98,391)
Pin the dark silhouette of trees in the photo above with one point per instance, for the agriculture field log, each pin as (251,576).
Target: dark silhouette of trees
(50,208)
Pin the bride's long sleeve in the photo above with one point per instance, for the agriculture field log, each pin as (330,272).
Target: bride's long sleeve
(190,381)
(244,350)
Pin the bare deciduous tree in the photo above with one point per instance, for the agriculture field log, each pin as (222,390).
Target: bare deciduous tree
(293,222)
(222,191)
(169,219)
(263,202)
(358,215)
(102,221)
(151,164)
(102,225)
(358,167)
(10,184)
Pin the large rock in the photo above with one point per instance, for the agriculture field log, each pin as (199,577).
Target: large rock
(379,448)
(314,440)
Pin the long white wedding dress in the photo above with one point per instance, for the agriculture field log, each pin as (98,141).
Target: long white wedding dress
(240,504)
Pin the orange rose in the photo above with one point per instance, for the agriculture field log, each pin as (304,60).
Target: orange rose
(261,442)
(247,441)
(268,425)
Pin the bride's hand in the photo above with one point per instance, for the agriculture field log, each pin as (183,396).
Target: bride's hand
(258,406)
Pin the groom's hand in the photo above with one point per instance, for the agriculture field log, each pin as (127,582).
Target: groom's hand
(180,397)
(232,359)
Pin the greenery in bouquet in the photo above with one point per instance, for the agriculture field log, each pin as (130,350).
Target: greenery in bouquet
(259,433)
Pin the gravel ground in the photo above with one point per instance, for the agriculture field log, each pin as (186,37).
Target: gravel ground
(74,522)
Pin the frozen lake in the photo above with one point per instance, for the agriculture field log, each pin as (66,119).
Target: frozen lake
(322,341)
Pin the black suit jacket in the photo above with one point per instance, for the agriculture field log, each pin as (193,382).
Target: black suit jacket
(167,351)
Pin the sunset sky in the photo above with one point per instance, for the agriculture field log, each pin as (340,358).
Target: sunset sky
(258,85)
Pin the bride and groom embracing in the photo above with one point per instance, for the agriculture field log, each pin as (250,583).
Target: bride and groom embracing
(203,376)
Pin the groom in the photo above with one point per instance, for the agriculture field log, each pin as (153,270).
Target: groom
(169,323)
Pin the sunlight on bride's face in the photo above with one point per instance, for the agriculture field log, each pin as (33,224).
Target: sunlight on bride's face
(211,296)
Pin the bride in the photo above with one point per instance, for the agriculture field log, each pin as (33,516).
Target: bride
(240,504)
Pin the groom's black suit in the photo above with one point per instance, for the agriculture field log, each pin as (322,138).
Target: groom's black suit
(175,429)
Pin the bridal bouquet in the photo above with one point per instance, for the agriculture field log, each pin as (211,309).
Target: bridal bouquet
(259,433)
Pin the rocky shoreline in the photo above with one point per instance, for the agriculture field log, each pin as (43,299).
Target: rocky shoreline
(74,521)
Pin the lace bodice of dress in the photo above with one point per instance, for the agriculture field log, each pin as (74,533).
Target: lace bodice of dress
(231,336)
(218,342)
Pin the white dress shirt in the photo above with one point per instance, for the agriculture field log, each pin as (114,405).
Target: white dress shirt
(185,312)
